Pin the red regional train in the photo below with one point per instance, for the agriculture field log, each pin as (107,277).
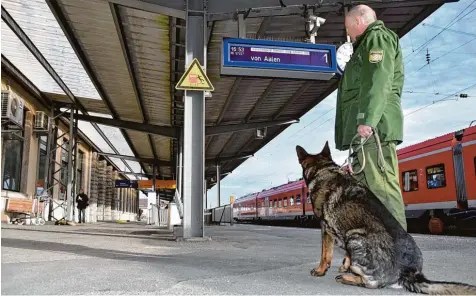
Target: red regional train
(437,179)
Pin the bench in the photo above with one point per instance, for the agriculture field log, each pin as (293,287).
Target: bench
(26,207)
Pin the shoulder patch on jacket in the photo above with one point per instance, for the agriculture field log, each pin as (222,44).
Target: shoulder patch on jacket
(375,56)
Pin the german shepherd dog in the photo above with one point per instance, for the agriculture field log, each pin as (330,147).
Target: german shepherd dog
(379,252)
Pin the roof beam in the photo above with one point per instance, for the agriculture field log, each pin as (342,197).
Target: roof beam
(220,6)
(7,18)
(141,159)
(68,32)
(123,40)
(214,161)
(418,19)
(37,94)
(153,129)
(172,132)
(208,161)
(223,129)
(166,7)
(18,76)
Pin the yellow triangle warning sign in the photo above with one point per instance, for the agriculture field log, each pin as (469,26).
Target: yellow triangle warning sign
(194,78)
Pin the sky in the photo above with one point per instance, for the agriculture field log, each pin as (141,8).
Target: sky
(453,70)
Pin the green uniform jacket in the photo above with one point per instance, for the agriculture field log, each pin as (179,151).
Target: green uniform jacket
(371,87)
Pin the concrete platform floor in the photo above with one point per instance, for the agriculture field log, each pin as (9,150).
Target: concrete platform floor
(240,259)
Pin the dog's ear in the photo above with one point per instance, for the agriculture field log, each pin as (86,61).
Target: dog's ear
(326,151)
(301,153)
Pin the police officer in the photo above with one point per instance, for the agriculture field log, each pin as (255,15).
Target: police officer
(369,98)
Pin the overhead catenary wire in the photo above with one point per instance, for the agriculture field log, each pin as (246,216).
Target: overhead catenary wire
(451,23)
(441,100)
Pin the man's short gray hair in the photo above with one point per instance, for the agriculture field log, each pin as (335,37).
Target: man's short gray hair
(365,12)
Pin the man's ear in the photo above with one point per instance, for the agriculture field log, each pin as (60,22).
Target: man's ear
(326,151)
(301,153)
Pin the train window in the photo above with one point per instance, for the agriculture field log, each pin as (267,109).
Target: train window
(435,176)
(298,199)
(308,198)
(475,165)
(280,203)
(291,201)
(410,180)
(285,202)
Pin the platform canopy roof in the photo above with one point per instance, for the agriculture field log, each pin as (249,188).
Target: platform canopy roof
(120,60)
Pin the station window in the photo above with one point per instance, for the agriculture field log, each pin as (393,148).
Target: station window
(12,164)
(410,180)
(308,198)
(298,199)
(435,176)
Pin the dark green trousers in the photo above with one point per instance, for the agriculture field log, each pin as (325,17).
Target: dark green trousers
(385,185)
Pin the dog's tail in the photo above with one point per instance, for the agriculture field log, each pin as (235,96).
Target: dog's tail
(415,281)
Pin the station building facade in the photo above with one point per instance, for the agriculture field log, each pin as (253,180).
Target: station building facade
(24,161)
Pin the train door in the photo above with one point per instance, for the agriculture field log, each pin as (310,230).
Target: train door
(461,196)
(266,206)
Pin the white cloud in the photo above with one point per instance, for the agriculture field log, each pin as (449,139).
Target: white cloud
(277,161)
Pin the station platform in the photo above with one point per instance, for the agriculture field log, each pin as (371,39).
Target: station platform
(131,258)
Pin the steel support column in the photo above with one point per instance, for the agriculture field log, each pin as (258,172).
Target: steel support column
(69,185)
(194,126)
(218,184)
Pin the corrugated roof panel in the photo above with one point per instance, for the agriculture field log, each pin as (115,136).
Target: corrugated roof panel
(147,37)
(162,146)
(215,104)
(239,139)
(277,97)
(249,91)
(93,23)
(216,145)
(39,24)
(143,146)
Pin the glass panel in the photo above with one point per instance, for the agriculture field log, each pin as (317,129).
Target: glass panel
(12,164)
(435,176)
(410,181)
(117,139)
(42,160)
(39,24)
(298,199)
(94,136)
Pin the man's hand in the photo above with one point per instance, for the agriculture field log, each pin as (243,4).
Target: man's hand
(364,130)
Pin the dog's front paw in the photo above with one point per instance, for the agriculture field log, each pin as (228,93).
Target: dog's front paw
(318,272)
(339,278)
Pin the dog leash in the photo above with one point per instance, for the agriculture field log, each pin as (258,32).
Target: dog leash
(353,153)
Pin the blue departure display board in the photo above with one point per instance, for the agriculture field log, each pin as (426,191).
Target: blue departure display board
(125,184)
(251,57)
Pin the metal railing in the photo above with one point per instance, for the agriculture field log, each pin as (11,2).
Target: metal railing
(158,216)
(178,202)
